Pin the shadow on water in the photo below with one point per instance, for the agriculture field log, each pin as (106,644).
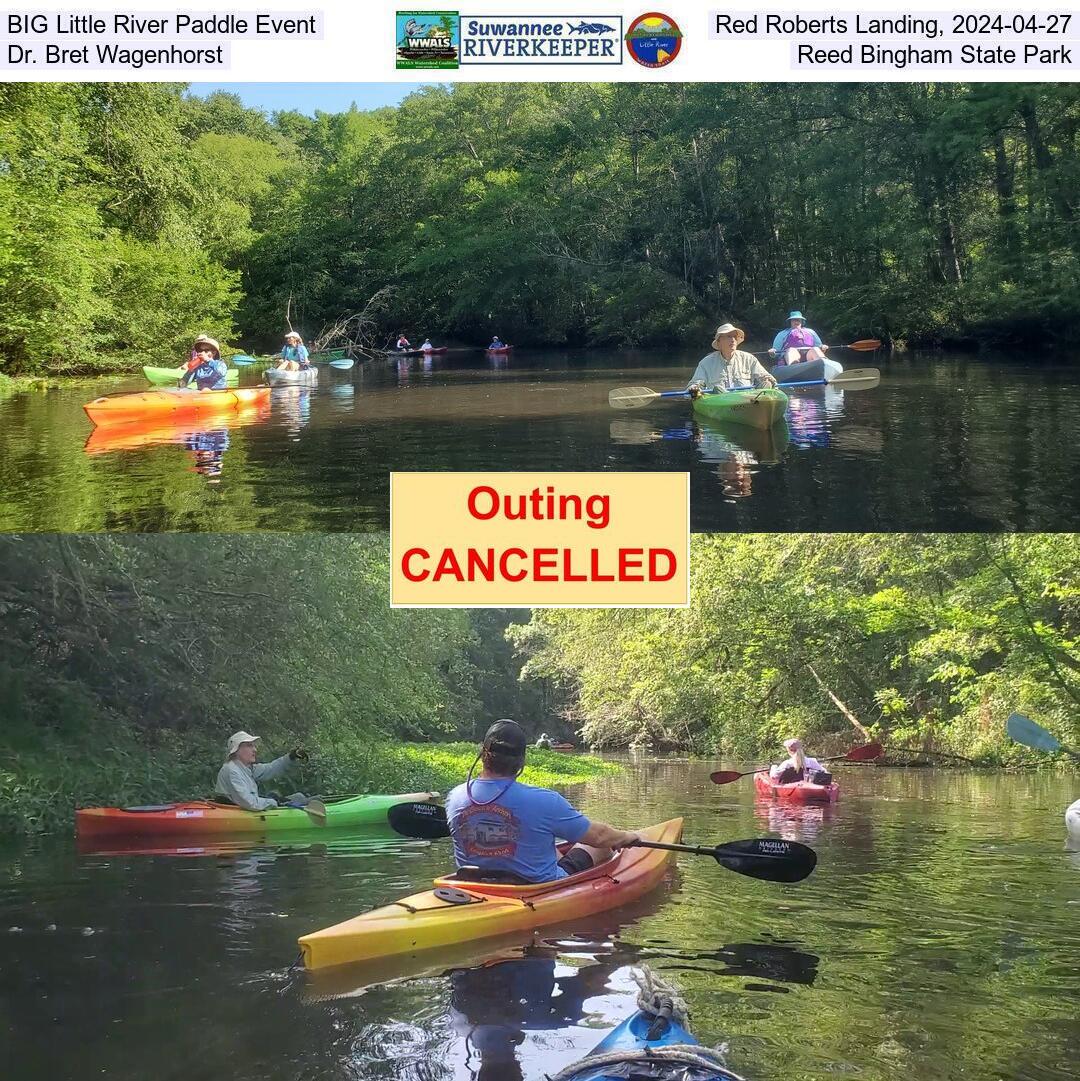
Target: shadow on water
(938,938)
(943,443)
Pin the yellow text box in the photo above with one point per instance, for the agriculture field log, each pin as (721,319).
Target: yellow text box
(539,540)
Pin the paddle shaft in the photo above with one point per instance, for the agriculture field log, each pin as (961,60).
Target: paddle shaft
(716,851)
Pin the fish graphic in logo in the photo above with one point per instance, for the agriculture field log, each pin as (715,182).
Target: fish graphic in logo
(654,39)
(428,39)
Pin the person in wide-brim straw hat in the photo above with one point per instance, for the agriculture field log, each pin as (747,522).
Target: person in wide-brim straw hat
(294,354)
(237,780)
(727,367)
(205,369)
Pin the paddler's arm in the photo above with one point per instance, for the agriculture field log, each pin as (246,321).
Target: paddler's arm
(601,835)
(760,374)
(269,770)
(701,375)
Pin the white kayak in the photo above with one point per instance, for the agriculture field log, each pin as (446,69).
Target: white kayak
(302,377)
(1072,825)
(807,371)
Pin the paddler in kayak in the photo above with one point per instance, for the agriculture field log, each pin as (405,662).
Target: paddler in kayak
(294,354)
(206,369)
(238,779)
(403,343)
(798,767)
(496,343)
(797,343)
(728,367)
(508,829)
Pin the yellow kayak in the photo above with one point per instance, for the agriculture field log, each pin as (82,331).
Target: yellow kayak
(458,911)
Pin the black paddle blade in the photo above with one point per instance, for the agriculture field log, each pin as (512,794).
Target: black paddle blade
(772,860)
(425,821)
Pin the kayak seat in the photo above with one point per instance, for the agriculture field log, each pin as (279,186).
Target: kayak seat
(497,878)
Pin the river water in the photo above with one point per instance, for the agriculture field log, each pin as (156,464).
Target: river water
(944,443)
(938,938)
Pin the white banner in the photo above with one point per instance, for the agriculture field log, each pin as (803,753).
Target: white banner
(338,41)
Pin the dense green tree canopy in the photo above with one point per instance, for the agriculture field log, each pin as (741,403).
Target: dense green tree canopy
(133,216)
(927,639)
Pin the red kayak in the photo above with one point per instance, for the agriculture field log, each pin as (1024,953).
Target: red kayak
(797,791)
(499,348)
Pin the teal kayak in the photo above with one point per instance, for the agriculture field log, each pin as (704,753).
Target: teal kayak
(751,408)
(653,1045)
(168,377)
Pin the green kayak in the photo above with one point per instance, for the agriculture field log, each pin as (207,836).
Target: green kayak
(167,377)
(752,408)
(205,818)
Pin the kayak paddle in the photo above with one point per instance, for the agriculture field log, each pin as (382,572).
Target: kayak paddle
(769,859)
(342,364)
(241,360)
(316,810)
(866,753)
(1024,730)
(856,379)
(864,345)
(632,397)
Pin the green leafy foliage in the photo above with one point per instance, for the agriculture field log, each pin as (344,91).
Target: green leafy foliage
(929,638)
(126,663)
(548,213)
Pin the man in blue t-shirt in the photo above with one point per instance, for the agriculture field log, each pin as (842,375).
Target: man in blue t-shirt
(503,826)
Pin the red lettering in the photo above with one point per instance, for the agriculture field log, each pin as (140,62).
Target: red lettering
(544,560)
(406,560)
(474,509)
(594,568)
(568,568)
(482,562)
(629,559)
(655,555)
(448,567)
(504,570)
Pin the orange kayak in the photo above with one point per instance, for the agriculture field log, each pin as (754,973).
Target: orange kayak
(171,404)
(458,911)
(108,438)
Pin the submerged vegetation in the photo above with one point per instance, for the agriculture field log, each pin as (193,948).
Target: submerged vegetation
(133,216)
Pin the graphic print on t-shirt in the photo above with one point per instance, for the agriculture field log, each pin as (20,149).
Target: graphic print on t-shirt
(488,831)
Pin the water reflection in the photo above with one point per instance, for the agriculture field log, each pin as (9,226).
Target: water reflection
(293,406)
(492,1007)
(793,821)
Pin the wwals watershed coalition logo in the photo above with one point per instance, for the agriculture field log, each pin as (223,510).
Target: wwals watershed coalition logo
(428,39)
(443,39)
(654,39)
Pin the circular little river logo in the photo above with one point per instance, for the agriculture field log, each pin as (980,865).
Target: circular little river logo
(653,39)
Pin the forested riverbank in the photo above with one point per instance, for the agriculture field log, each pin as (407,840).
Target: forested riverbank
(133,216)
(128,660)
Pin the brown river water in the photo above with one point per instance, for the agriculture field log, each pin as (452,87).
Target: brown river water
(943,443)
(939,938)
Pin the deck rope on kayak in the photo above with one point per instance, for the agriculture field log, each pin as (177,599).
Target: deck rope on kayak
(656,996)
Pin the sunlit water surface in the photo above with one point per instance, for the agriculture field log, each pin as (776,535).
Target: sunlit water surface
(944,443)
(939,938)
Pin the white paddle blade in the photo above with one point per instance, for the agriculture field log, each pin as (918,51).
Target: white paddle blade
(856,379)
(631,397)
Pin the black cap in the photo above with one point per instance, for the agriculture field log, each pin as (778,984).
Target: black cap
(505,737)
